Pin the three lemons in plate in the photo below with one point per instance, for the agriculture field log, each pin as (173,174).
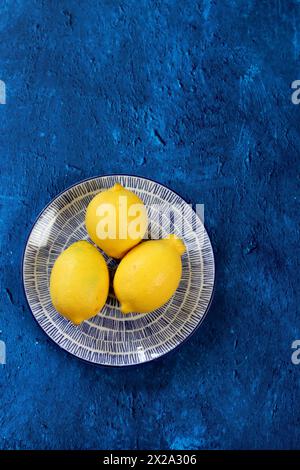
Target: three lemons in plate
(147,276)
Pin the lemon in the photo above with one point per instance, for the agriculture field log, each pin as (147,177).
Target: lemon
(149,274)
(79,282)
(116,220)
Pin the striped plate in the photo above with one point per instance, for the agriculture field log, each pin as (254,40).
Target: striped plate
(111,338)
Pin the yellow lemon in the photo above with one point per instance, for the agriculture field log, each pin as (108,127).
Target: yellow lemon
(79,282)
(116,220)
(149,274)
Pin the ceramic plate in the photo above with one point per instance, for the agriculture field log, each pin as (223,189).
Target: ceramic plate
(111,338)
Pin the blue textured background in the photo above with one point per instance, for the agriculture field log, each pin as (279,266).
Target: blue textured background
(195,94)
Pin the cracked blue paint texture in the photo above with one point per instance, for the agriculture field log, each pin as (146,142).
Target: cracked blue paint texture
(197,95)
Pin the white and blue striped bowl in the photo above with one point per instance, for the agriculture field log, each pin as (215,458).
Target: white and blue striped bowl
(112,338)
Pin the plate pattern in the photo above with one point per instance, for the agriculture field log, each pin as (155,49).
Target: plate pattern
(112,338)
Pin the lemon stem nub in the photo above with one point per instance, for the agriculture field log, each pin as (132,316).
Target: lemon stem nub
(177,243)
(116,187)
(125,308)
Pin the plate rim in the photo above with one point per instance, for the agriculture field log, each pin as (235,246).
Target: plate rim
(118,366)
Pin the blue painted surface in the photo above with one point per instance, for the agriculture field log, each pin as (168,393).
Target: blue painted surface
(195,94)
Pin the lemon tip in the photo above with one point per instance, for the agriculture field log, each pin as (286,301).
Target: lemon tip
(116,187)
(177,243)
(125,308)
